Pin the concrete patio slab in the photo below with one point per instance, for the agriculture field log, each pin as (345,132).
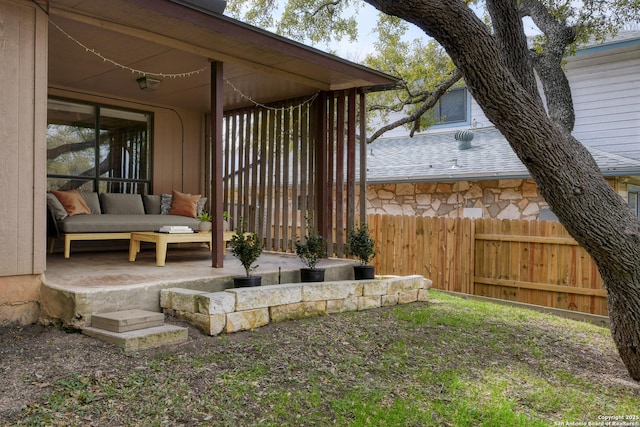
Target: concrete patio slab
(101,282)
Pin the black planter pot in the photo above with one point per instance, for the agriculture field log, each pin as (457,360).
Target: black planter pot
(362,272)
(312,274)
(247,282)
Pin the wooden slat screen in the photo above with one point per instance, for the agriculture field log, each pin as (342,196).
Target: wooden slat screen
(271,171)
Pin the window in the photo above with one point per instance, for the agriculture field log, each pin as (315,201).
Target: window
(452,107)
(95,148)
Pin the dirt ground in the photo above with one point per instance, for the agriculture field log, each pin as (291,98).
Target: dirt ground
(34,357)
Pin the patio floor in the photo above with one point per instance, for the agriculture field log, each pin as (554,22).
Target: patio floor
(101,282)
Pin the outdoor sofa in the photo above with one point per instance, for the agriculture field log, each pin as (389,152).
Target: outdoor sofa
(113,216)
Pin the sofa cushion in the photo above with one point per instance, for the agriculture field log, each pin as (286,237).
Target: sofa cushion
(165,204)
(122,223)
(56,207)
(72,202)
(184,204)
(121,204)
(151,203)
(92,201)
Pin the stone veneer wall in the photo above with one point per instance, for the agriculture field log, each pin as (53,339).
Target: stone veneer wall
(240,309)
(502,199)
(499,199)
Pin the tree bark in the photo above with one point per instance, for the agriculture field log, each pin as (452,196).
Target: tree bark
(563,169)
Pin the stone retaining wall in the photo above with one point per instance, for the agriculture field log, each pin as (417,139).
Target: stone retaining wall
(240,309)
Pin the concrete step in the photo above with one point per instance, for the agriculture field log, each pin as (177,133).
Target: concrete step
(140,339)
(127,320)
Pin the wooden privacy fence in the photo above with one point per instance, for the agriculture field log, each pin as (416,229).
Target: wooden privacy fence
(534,262)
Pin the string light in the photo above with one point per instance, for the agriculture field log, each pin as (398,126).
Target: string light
(267,107)
(177,75)
(125,67)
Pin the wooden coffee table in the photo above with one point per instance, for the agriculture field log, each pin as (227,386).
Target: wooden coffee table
(163,239)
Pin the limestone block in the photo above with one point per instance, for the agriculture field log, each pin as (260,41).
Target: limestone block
(369,301)
(444,188)
(529,189)
(266,296)
(454,199)
(406,297)
(375,287)
(426,187)
(462,185)
(509,183)
(342,305)
(209,324)
(427,283)
(474,192)
(423,295)
(247,319)
(331,290)
(389,300)
(531,209)
(385,195)
(423,199)
(407,283)
(181,299)
(408,210)
(510,212)
(393,209)
(298,310)
(216,303)
(405,189)
(510,194)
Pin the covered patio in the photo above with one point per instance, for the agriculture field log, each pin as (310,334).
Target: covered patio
(266,128)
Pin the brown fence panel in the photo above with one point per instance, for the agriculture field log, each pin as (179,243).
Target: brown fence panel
(534,262)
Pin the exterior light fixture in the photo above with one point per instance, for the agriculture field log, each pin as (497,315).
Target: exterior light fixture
(148,83)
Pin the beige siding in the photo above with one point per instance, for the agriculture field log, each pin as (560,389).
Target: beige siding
(177,163)
(22,121)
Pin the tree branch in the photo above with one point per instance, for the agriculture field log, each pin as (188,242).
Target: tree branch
(426,106)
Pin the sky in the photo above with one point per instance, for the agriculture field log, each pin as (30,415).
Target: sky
(367,16)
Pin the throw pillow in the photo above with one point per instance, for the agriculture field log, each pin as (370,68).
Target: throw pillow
(122,204)
(72,202)
(184,204)
(165,204)
(58,211)
(151,203)
(92,201)
(201,205)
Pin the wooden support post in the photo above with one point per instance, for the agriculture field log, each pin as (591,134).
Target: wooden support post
(216,142)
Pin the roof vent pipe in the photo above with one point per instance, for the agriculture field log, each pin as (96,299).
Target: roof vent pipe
(464,138)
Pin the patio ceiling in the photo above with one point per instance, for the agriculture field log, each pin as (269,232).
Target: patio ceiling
(162,36)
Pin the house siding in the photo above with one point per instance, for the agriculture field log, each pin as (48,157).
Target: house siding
(605,86)
(23,79)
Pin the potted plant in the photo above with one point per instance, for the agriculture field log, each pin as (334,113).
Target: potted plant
(361,245)
(225,221)
(247,247)
(205,222)
(310,250)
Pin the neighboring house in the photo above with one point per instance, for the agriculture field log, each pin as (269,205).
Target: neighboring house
(428,175)
(137,95)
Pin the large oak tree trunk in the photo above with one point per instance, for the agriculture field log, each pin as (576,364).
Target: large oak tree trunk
(566,174)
